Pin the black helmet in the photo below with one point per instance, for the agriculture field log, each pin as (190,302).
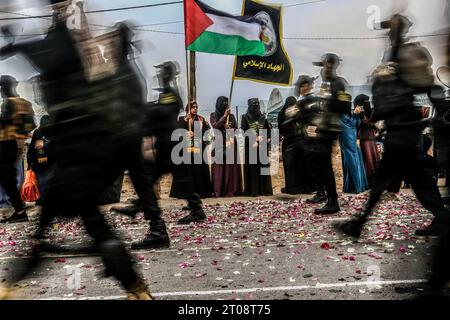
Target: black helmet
(8,82)
(328,58)
(168,69)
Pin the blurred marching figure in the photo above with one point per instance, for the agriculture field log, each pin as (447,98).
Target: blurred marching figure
(354,173)
(16,122)
(255,183)
(334,101)
(96,109)
(406,72)
(226,177)
(297,178)
(198,173)
(368,138)
(440,277)
(160,123)
(38,157)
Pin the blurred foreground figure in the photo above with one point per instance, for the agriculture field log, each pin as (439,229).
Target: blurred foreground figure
(440,276)
(16,122)
(160,122)
(95,105)
(406,72)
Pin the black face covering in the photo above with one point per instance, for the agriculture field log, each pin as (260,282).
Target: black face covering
(290,101)
(363,101)
(254,109)
(221,106)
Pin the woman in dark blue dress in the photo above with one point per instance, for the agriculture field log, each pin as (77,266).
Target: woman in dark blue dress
(355,180)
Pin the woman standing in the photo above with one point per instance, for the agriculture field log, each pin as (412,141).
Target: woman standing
(226,175)
(368,138)
(255,183)
(197,172)
(355,180)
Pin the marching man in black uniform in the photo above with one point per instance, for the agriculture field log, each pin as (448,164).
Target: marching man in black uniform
(333,101)
(160,123)
(406,71)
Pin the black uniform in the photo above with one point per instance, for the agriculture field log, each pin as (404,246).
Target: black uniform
(162,120)
(332,106)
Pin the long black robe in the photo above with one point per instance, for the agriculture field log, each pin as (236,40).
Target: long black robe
(226,177)
(297,178)
(198,173)
(255,184)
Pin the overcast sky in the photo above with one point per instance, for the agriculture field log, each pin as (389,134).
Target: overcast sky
(329,18)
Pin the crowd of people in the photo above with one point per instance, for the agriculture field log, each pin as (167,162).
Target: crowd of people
(99,125)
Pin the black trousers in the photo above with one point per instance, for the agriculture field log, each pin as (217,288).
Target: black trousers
(145,174)
(8,172)
(412,165)
(319,162)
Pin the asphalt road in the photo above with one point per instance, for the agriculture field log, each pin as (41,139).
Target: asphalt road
(270,248)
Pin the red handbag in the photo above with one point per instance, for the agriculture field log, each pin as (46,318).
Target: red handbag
(30,189)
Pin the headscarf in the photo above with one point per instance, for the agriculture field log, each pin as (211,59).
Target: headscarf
(290,101)
(221,106)
(189,106)
(8,86)
(363,101)
(254,109)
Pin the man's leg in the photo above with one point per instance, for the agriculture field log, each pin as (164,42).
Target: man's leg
(195,206)
(427,192)
(117,260)
(157,235)
(387,173)
(194,201)
(327,180)
(310,156)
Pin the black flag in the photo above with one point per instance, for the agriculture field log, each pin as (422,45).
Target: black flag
(274,67)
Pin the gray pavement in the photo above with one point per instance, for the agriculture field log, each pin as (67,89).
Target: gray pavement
(268,248)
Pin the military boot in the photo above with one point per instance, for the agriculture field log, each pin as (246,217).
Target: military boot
(196,215)
(157,237)
(320,196)
(332,206)
(139,292)
(130,211)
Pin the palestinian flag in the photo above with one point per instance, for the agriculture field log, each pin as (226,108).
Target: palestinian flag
(213,31)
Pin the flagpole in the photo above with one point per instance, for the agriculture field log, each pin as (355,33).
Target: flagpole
(188,76)
(192,71)
(231,95)
(188,55)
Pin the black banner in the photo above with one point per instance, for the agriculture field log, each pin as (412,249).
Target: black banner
(274,67)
